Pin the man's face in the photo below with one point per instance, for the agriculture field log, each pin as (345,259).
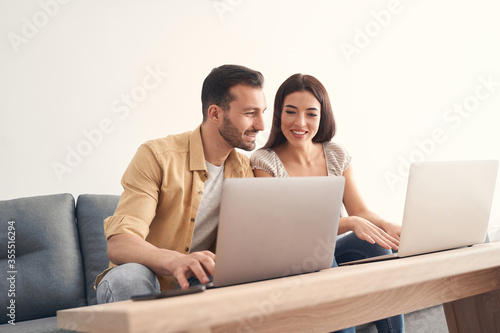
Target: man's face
(244,119)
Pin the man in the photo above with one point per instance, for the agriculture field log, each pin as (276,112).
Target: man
(164,228)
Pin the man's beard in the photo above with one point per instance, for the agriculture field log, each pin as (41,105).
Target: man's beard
(234,137)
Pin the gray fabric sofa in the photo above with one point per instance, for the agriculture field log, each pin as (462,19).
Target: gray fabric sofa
(58,248)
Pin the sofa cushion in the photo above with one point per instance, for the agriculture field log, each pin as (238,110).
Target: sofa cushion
(91,210)
(47,274)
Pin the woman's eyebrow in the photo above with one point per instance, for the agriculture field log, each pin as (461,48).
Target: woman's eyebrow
(294,107)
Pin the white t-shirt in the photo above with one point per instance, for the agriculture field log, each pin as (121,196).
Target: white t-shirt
(207,219)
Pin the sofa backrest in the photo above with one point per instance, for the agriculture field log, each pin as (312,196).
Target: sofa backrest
(91,210)
(47,272)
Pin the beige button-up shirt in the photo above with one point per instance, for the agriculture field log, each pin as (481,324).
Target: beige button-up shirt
(163,186)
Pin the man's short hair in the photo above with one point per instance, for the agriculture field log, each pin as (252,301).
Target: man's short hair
(217,84)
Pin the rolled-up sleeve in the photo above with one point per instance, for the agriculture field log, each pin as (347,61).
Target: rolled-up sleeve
(141,186)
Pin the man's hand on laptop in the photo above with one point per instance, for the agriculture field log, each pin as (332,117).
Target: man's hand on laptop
(198,264)
(369,232)
(125,248)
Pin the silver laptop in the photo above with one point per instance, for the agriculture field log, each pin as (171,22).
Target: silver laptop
(275,227)
(447,206)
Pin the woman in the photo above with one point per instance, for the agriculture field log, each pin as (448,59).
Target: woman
(300,145)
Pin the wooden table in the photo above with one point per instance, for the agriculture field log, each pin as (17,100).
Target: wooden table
(466,281)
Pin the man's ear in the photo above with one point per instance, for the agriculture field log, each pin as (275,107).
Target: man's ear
(214,113)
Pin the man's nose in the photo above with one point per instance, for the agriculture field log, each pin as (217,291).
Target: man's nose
(258,123)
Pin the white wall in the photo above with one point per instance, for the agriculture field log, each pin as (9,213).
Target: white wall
(396,71)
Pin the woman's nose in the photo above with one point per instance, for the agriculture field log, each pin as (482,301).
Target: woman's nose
(300,120)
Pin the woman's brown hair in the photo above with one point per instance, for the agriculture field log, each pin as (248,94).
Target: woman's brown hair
(301,82)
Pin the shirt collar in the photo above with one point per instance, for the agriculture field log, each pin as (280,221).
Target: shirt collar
(197,155)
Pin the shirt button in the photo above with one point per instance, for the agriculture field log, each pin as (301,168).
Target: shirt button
(187,249)
(206,175)
(192,219)
(200,192)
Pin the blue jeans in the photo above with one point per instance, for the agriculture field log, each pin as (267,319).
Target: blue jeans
(125,281)
(349,248)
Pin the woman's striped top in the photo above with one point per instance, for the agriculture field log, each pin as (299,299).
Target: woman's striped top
(337,160)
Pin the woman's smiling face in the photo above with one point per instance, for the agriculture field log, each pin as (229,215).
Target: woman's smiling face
(300,117)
